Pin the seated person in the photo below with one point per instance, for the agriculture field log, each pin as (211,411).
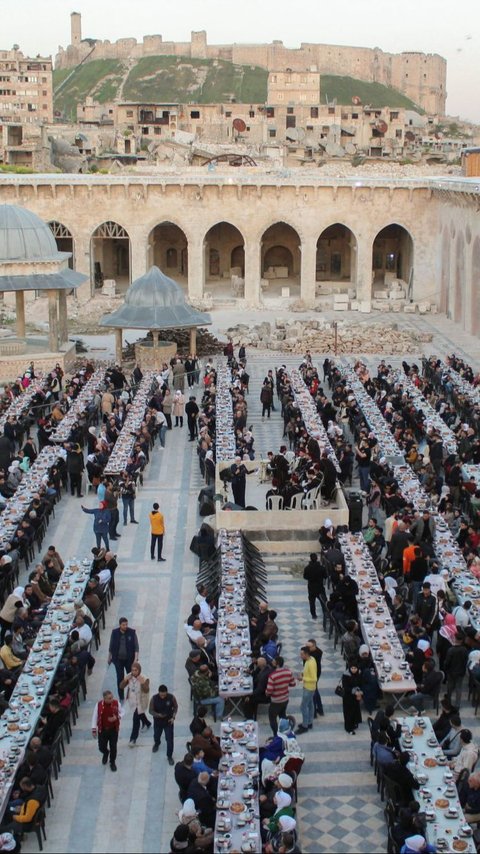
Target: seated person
(384,755)
(402,776)
(184,774)
(198,722)
(210,745)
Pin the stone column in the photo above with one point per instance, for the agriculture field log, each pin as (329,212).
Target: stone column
(308,250)
(52,321)
(467,320)
(196,269)
(138,260)
(84,264)
(118,346)
(364,269)
(20,313)
(193,341)
(252,271)
(62,316)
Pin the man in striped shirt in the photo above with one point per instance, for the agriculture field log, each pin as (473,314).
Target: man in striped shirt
(281,679)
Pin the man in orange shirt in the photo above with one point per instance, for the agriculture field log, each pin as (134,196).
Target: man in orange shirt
(409,554)
(157,530)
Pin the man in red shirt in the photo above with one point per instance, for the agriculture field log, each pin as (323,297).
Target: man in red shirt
(106,724)
(279,682)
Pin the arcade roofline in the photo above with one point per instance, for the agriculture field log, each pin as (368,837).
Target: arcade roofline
(246,178)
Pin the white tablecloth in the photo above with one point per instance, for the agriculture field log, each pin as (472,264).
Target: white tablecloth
(234,653)
(123,446)
(239,742)
(224,430)
(18,504)
(311,418)
(88,392)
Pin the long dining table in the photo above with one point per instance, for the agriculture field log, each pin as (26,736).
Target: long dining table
(310,416)
(118,459)
(224,429)
(88,392)
(20,720)
(392,670)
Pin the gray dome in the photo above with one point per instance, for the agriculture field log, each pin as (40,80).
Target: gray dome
(154,290)
(154,301)
(24,236)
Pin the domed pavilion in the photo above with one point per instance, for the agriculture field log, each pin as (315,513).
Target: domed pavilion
(30,261)
(155,302)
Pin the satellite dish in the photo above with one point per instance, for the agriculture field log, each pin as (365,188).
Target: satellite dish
(356,100)
(239,125)
(410,136)
(382,126)
(350,148)
(292,134)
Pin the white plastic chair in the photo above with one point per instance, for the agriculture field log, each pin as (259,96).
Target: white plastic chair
(296,502)
(312,498)
(275,502)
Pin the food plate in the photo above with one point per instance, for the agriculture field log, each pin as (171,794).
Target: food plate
(430,762)
(237,807)
(397,677)
(459,845)
(238,770)
(233,672)
(237,734)
(235,650)
(379,624)
(417,730)
(442,803)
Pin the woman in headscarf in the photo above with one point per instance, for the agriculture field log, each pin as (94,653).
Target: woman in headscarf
(283,803)
(391,585)
(446,637)
(198,835)
(12,604)
(417,658)
(276,752)
(352,695)
(369,682)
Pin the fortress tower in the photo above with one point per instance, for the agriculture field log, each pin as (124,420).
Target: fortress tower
(76,28)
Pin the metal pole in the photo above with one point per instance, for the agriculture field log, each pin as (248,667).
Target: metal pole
(335,329)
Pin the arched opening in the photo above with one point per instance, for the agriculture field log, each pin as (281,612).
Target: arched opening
(281,261)
(64,240)
(392,258)
(224,261)
(110,255)
(475,281)
(168,250)
(458,303)
(445,272)
(336,255)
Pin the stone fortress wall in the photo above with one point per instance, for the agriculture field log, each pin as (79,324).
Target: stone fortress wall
(420,76)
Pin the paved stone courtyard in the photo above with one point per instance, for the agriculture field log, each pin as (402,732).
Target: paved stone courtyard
(134,809)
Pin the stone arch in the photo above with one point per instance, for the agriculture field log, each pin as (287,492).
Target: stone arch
(111,255)
(459,279)
(167,249)
(224,243)
(392,256)
(475,304)
(445,272)
(336,258)
(281,259)
(64,240)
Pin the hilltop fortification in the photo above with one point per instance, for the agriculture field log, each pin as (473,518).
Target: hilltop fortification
(420,76)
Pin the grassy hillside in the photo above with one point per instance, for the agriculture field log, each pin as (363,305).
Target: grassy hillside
(171,79)
(199,81)
(375,94)
(99,78)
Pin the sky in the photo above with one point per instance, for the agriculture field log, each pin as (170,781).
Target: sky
(430,26)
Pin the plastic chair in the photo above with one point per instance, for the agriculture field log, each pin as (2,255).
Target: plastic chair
(312,498)
(296,501)
(275,502)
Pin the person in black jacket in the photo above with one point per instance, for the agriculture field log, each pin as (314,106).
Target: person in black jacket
(184,775)
(75,467)
(191,411)
(455,668)
(428,687)
(315,575)
(123,651)
(403,777)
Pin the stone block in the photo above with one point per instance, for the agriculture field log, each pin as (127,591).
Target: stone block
(340,298)
(340,306)
(396,295)
(410,308)
(381,295)
(381,304)
(286,291)
(365,306)
(355,305)
(434,308)
(423,307)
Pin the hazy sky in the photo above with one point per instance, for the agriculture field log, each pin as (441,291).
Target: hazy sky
(432,26)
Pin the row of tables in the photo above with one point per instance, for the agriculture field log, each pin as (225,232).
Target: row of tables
(374,418)
(432,418)
(19,721)
(224,430)
(32,482)
(234,652)
(22,402)
(125,441)
(88,392)
(310,415)
(391,668)
(462,385)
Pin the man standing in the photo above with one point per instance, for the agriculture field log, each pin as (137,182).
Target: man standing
(123,651)
(101,523)
(192,410)
(163,708)
(317,654)
(315,575)
(157,530)
(75,467)
(279,682)
(309,681)
(106,724)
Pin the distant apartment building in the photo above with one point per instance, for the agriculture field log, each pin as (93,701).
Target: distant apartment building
(26,93)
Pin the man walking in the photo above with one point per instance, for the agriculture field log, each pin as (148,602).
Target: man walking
(279,682)
(123,651)
(315,575)
(106,724)
(309,681)
(163,709)
(157,530)
(192,411)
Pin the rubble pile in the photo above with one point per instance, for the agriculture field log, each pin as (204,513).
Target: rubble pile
(318,336)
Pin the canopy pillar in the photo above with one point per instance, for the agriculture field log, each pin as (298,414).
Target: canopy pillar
(118,346)
(193,341)
(52,321)
(20,313)
(62,316)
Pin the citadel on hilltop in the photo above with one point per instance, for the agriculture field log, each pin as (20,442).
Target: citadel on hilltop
(420,76)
